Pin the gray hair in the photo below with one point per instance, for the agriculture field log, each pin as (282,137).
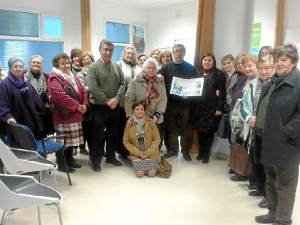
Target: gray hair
(13,60)
(178,46)
(36,56)
(150,61)
(105,42)
(289,50)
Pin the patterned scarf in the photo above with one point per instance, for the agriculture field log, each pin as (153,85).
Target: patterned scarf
(69,77)
(139,125)
(152,91)
(140,131)
(38,82)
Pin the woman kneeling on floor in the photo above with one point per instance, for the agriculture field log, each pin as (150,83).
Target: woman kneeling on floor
(141,138)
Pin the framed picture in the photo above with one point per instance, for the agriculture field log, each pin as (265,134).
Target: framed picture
(138,37)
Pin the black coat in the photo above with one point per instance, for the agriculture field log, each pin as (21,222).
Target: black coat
(203,108)
(281,137)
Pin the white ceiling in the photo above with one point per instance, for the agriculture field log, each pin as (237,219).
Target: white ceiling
(146,4)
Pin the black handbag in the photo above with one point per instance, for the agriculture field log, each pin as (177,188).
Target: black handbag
(224,127)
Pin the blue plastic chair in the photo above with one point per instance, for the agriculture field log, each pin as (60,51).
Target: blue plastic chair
(25,139)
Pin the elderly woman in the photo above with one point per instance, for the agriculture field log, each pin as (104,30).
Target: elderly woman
(141,138)
(86,58)
(69,101)
(278,123)
(208,108)
(145,86)
(37,79)
(19,102)
(248,112)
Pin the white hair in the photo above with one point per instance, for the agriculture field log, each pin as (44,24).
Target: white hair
(150,61)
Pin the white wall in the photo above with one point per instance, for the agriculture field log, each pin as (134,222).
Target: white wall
(267,20)
(68,9)
(178,22)
(233,26)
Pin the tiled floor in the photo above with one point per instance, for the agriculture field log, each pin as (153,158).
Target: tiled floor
(195,194)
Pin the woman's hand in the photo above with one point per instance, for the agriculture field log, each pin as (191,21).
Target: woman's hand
(143,156)
(252,121)
(11,120)
(82,108)
(218,113)
(130,120)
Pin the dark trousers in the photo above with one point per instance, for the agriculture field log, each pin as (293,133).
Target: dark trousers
(105,131)
(87,129)
(123,120)
(281,188)
(205,140)
(258,171)
(176,121)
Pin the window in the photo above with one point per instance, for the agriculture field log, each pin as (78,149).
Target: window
(119,34)
(19,23)
(53,28)
(25,49)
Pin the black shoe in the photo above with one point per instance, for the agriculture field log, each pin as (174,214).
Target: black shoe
(187,157)
(269,218)
(65,170)
(199,157)
(113,161)
(74,164)
(124,157)
(231,171)
(237,177)
(263,203)
(256,193)
(252,186)
(205,161)
(96,167)
(170,154)
(84,151)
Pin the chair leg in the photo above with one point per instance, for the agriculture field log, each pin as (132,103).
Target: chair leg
(59,213)
(54,178)
(66,166)
(39,215)
(5,216)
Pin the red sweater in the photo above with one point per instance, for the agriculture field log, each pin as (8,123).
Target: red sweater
(56,83)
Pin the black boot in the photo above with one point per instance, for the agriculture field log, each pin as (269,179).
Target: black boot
(61,166)
(71,162)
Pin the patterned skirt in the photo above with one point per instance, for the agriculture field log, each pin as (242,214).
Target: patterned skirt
(73,131)
(144,165)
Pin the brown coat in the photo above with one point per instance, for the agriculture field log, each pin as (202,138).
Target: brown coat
(152,140)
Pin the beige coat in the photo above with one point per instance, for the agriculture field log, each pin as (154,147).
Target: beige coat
(137,92)
(152,140)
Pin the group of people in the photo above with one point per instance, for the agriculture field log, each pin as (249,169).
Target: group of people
(266,88)
(127,107)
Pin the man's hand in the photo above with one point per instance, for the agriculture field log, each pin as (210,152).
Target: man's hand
(112,103)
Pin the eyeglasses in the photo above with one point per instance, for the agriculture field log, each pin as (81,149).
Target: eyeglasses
(18,67)
(36,62)
(107,49)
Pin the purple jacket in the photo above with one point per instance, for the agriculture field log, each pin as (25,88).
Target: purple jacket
(23,104)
